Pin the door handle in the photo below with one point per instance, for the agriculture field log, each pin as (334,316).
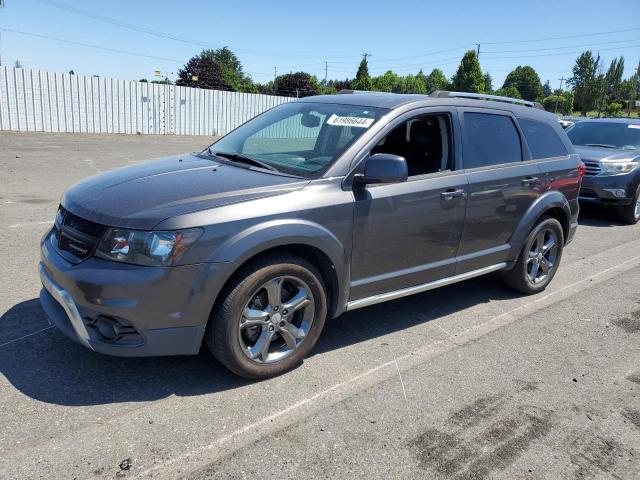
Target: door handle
(452,193)
(529,180)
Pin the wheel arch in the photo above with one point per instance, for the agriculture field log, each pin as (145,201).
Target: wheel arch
(553,204)
(304,239)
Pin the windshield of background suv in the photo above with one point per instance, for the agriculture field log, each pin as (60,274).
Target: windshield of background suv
(605,134)
(301,139)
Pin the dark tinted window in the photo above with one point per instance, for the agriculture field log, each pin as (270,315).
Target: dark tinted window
(606,134)
(543,141)
(490,140)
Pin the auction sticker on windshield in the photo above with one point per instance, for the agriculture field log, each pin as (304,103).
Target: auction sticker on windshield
(360,122)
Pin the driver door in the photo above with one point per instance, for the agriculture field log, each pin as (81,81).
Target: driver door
(408,234)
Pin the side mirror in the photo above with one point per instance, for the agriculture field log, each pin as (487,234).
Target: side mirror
(383,168)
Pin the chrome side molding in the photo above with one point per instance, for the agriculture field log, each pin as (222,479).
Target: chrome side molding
(404,292)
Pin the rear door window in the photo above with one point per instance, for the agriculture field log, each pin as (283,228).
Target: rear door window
(490,139)
(543,141)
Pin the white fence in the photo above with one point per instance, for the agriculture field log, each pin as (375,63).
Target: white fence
(40,101)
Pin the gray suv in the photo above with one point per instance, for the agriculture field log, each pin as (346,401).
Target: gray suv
(315,207)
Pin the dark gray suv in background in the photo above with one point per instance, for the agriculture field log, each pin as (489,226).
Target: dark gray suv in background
(610,149)
(316,207)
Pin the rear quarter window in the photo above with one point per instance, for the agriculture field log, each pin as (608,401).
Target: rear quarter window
(490,139)
(542,139)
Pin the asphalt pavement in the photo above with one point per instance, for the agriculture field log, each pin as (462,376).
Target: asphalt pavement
(468,381)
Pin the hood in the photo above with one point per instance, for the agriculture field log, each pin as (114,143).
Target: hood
(597,154)
(142,195)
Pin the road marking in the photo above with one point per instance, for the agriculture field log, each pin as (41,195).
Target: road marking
(25,336)
(404,392)
(30,224)
(339,391)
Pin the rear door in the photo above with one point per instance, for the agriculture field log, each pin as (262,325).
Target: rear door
(503,184)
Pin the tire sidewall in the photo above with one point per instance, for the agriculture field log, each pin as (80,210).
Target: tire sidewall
(236,360)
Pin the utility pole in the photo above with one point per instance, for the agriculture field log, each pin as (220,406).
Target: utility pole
(365,55)
(478,51)
(275,77)
(326,67)
(555,110)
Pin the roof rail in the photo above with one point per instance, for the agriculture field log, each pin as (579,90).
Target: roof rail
(348,92)
(485,96)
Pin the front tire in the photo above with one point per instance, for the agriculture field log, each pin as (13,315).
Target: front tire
(631,213)
(269,318)
(539,259)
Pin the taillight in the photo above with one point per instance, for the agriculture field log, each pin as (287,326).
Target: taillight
(582,169)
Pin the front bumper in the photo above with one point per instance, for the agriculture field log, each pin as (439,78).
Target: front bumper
(157,310)
(601,190)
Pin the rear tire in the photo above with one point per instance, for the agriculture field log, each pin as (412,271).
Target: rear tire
(538,260)
(631,213)
(269,317)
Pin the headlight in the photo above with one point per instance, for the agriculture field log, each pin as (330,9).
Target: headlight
(146,248)
(618,168)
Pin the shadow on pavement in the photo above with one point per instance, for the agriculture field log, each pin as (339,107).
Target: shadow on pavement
(50,368)
(595,216)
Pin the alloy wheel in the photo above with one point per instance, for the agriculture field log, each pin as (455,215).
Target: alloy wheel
(276,320)
(542,256)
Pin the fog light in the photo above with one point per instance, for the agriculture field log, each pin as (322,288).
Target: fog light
(616,192)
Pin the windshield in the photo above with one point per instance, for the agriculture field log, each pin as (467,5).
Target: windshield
(605,134)
(301,139)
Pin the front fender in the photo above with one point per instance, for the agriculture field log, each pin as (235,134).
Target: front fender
(545,202)
(282,232)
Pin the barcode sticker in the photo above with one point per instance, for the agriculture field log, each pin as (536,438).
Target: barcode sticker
(359,122)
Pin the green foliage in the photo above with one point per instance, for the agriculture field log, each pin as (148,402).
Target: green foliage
(546,89)
(510,91)
(299,84)
(613,78)
(526,80)
(206,70)
(436,81)
(552,101)
(585,81)
(488,82)
(363,80)
(469,77)
(567,107)
(614,109)
(230,69)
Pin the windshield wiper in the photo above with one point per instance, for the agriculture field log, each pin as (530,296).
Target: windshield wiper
(603,145)
(240,158)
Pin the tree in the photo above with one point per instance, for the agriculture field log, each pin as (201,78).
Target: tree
(17,64)
(546,89)
(511,91)
(363,80)
(389,82)
(230,69)
(436,81)
(299,84)
(488,82)
(414,84)
(468,77)
(205,70)
(526,80)
(585,81)
(614,109)
(613,78)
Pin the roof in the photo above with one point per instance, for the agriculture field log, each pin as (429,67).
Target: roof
(394,101)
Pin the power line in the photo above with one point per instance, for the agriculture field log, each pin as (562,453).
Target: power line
(560,53)
(156,33)
(562,37)
(582,45)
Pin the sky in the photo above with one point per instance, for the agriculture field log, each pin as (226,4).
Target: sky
(403,36)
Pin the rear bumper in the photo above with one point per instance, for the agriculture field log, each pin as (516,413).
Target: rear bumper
(615,190)
(151,311)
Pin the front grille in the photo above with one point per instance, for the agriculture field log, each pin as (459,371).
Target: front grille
(76,236)
(593,168)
